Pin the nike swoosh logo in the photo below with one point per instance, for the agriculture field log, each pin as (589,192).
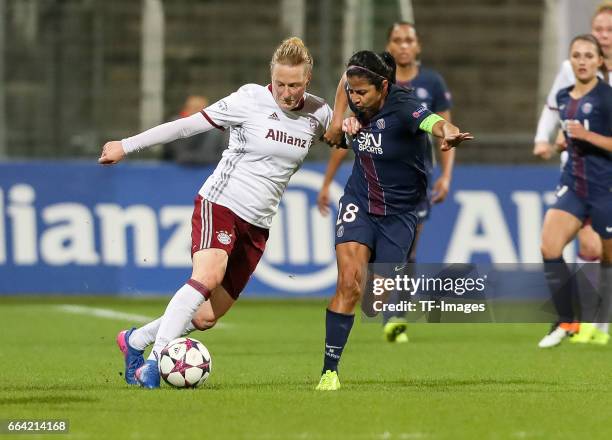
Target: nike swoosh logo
(398,268)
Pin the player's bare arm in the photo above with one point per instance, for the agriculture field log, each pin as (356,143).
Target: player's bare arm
(576,130)
(333,135)
(450,134)
(441,186)
(334,163)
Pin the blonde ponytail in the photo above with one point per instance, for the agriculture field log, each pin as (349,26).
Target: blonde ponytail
(292,52)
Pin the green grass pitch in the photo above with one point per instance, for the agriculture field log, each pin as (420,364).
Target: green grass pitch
(473,381)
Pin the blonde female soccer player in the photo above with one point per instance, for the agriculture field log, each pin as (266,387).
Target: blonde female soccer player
(271,130)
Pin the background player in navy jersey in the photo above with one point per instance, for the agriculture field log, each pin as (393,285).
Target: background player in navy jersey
(377,216)
(585,110)
(430,89)
(589,250)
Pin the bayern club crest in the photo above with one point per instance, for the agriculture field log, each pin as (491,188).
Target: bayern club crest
(224,237)
(380,123)
(422,93)
(313,123)
(587,108)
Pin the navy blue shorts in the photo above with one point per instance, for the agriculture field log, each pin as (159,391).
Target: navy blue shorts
(597,208)
(389,237)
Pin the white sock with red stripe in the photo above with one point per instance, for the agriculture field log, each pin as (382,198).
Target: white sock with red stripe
(178,314)
(144,336)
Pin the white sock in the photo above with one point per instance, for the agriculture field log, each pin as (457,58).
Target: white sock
(144,336)
(178,315)
(603,326)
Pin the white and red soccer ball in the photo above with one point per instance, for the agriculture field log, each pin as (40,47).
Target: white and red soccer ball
(185,363)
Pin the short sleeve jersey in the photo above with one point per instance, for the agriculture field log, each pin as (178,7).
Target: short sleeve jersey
(267,145)
(588,170)
(389,173)
(431,90)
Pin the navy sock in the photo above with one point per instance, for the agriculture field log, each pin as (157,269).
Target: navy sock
(605,292)
(337,329)
(560,284)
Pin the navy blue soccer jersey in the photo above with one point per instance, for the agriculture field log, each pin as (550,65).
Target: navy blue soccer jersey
(431,91)
(588,170)
(389,173)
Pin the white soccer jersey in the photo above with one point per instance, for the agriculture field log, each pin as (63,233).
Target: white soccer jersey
(267,146)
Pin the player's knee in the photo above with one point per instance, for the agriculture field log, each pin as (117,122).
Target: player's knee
(203,323)
(589,250)
(549,250)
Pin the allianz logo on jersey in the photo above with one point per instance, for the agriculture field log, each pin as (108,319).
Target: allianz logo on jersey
(285,138)
(370,142)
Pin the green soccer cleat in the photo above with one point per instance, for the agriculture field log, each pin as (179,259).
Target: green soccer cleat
(329,381)
(395,330)
(584,335)
(599,337)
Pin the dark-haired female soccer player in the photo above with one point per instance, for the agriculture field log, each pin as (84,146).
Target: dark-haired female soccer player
(431,91)
(585,191)
(377,215)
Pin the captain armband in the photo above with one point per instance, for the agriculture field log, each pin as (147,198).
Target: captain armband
(428,123)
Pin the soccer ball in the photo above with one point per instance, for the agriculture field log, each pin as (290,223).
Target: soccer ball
(185,363)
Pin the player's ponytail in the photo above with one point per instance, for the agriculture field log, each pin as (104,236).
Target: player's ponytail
(372,66)
(292,52)
(390,62)
(591,39)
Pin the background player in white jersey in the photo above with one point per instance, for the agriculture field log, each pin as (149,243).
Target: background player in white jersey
(548,125)
(403,44)
(271,130)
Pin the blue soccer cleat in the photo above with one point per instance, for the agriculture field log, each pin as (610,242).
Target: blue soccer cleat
(133,358)
(148,375)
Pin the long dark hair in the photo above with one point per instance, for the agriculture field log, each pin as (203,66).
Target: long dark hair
(591,39)
(374,67)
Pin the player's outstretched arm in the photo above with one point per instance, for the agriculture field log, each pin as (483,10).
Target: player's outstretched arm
(112,152)
(115,151)
(450,134)
(441,186)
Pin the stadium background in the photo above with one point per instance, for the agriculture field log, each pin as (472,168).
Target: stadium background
(76,73)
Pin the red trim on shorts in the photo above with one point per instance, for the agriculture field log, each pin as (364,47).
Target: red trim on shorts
(211,121)
(199,287)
